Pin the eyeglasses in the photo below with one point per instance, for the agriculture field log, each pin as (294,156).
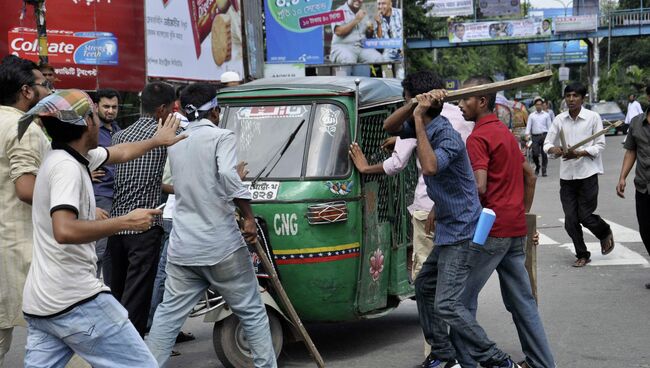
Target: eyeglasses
(46,84)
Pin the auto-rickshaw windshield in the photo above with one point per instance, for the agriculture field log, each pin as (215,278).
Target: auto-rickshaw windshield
(263,130)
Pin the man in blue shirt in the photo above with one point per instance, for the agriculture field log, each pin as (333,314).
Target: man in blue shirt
(451,185)
(107,102)
(206,248)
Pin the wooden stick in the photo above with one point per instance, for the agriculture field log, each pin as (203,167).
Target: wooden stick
(563,140)
(594,136)
(497,86)
(284,298)
(531,253)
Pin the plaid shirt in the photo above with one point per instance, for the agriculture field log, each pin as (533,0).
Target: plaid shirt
(138,182)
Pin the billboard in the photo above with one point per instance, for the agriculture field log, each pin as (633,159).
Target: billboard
(576,23)
(87,47)
(499,30)
(332,32)
(499,8)
(449,8)
(194,39)
(576,52)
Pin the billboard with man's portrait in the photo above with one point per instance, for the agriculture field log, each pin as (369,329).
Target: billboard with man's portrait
(337,32)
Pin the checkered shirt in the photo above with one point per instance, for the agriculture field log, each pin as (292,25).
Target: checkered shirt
(138,182)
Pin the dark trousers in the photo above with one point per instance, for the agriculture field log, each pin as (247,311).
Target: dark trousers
(538,145)
(134,264)
(579,201)
(103,259)
(643,216)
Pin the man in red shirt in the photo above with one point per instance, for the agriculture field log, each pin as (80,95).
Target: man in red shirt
(506,184)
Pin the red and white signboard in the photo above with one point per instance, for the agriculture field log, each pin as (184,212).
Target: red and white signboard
(88,45)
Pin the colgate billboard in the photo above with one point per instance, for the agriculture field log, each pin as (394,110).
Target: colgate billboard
(88,45)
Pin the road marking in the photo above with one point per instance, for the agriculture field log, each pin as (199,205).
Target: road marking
(545,240)
(621,255)
(621,233)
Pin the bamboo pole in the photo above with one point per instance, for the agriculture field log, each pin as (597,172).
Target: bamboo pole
(284,298)
(497,86)
(596,135)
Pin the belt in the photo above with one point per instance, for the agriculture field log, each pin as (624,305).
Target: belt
(537,135)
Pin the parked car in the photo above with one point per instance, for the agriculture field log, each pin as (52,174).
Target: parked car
(610,113)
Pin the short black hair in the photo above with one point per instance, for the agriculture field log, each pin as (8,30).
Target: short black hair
(156,94)
(480,80)
(197,94)
(62,132)
(576,87)
(45,66)
(14,74)
(107,93)
(422,82)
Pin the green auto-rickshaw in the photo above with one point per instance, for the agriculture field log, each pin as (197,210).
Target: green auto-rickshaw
(340,241)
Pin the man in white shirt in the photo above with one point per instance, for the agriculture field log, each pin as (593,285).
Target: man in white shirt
(537,127)
(579,171)
(633,109)
(84,319)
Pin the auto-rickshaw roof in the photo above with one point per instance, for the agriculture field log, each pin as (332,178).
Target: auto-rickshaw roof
(372,91)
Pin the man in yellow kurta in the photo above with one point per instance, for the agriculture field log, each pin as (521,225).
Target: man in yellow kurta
(21,86)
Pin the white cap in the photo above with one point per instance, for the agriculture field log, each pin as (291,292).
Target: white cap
(228,77)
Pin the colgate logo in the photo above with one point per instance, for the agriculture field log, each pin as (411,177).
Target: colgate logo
(20,44)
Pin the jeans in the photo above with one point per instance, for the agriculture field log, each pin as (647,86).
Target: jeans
(507,256)
(98,330)
(438,290)
(161,274)
(579,199)
(103,258)
(234,279)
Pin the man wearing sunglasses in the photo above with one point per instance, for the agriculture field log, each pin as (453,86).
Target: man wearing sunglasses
(22,85)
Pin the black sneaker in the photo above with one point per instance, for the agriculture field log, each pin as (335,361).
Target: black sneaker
(432,362)
(647,286)
(508,363)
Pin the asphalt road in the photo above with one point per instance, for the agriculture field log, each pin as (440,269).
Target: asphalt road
(595,317)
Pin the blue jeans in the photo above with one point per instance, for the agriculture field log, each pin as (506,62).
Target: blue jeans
(234,279)
(507,256)
(99,331)
(438,290)
(161,274)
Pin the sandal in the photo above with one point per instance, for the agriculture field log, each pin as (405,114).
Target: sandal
(184,336)
(581,262)
(607,244)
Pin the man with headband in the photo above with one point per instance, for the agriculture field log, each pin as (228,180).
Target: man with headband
(84,319)
(206,247)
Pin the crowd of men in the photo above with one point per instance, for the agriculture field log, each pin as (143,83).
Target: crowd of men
(81,205)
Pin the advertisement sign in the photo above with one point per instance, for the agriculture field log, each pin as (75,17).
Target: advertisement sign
(449,8)
(499,8)
(575,52)
(576,23)
(506,29)
(194,39)
(315,32)
(87,49)
(284,70)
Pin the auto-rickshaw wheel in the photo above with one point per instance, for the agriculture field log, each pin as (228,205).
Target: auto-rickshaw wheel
(230,342)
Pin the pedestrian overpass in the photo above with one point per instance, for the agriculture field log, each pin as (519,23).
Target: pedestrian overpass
(623,23)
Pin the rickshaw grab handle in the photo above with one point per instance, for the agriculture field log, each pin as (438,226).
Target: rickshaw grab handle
(497,86)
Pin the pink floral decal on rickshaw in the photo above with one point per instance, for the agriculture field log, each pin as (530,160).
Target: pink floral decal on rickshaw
(376,264)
